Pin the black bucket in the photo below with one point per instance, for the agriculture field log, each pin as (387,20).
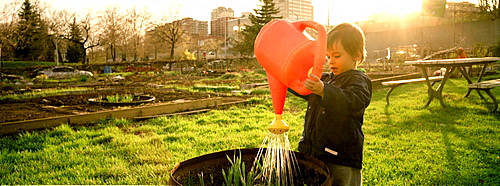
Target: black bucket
(313,171)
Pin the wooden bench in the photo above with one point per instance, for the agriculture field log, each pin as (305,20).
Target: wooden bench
(487,86)
(396,83)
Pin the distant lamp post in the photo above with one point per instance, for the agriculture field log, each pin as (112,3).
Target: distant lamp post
(238,28)
(56,53)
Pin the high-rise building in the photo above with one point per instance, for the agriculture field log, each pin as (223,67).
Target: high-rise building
(222,12)
(219,26)
(195,28)
(219,21)
(295,9)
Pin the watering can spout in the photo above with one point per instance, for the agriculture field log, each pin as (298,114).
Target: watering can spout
(278,125)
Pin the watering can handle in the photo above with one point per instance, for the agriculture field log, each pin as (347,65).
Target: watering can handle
(320,53)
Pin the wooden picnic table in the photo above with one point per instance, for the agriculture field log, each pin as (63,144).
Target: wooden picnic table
(451,64)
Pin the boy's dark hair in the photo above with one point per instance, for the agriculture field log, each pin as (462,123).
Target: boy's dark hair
(352,39)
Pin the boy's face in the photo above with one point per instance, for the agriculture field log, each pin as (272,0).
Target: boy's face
(339,60)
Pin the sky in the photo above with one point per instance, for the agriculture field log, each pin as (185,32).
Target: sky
(337,10)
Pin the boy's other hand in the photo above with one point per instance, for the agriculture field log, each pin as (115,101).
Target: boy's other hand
(315,85)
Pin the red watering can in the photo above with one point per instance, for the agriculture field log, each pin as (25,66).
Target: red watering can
(289,55)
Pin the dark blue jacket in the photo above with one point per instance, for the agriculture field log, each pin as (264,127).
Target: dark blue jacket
(332,129)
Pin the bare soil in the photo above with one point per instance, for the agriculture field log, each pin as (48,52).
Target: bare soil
(77,103)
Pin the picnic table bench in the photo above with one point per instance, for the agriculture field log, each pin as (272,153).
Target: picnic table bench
(396,83)
(486,86)
(451,65)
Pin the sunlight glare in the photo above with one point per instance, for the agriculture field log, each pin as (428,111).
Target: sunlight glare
(395,6)
(360,10)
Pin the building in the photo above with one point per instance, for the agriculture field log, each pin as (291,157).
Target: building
(195,28)
(462,11)
(219,21)
(238,24)
(219,26)
(294,10)
(221,12)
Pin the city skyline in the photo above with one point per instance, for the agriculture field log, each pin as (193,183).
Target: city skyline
(325,11)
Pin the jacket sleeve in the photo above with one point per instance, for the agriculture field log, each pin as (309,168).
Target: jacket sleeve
(354,95)
(323,76)
(297,94)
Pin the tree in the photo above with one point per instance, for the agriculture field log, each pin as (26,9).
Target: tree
(214,45)
(81,37)
(491,8)
(171,33)
(111,23)
(152,45)
(135,24)
(31,34)
(8,23)
(74,34)
(262,16)
(76,49)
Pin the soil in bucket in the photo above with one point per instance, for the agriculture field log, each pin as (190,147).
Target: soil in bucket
(209,168)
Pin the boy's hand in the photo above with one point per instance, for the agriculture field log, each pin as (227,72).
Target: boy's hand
(315,85)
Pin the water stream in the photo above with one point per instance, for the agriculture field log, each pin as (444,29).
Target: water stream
(279,165)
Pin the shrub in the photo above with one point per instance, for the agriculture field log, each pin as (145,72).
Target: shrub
(84,78)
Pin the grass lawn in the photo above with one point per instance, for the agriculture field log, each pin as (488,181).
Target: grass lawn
(405,143)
